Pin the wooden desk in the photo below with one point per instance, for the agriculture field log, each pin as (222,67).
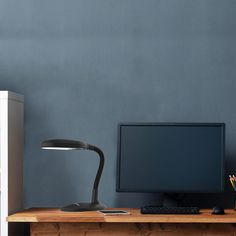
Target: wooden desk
(54,222)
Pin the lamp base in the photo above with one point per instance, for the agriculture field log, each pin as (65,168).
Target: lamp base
(83,207)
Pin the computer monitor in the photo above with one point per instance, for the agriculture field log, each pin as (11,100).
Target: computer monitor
(171,157)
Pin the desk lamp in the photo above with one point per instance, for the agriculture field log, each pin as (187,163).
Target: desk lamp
(64,144)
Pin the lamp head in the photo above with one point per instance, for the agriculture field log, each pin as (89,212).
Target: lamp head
(64,144)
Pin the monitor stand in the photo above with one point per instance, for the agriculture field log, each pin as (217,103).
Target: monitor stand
(172,199)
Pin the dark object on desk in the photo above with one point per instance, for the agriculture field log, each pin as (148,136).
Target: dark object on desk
(218,210)
(169,210)
(64,144)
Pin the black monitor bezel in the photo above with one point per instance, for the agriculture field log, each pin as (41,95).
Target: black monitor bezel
(190,124)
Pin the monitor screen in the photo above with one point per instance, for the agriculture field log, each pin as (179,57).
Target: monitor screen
(170,157)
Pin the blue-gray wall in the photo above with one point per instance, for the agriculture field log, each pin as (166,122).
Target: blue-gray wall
(85,65)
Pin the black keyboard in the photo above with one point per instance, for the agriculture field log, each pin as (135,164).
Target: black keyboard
(169,210)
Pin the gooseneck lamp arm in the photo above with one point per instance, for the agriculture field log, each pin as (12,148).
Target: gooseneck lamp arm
(98,175)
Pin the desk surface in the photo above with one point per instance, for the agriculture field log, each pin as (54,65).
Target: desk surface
(55,215)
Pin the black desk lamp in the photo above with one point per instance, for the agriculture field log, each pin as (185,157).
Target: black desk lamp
(64,144)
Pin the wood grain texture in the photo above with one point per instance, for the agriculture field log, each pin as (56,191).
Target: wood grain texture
(131,229)
(55,215)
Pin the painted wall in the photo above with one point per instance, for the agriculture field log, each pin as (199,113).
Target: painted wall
(85,65)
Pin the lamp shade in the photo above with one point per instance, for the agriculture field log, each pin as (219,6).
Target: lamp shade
(64,144)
